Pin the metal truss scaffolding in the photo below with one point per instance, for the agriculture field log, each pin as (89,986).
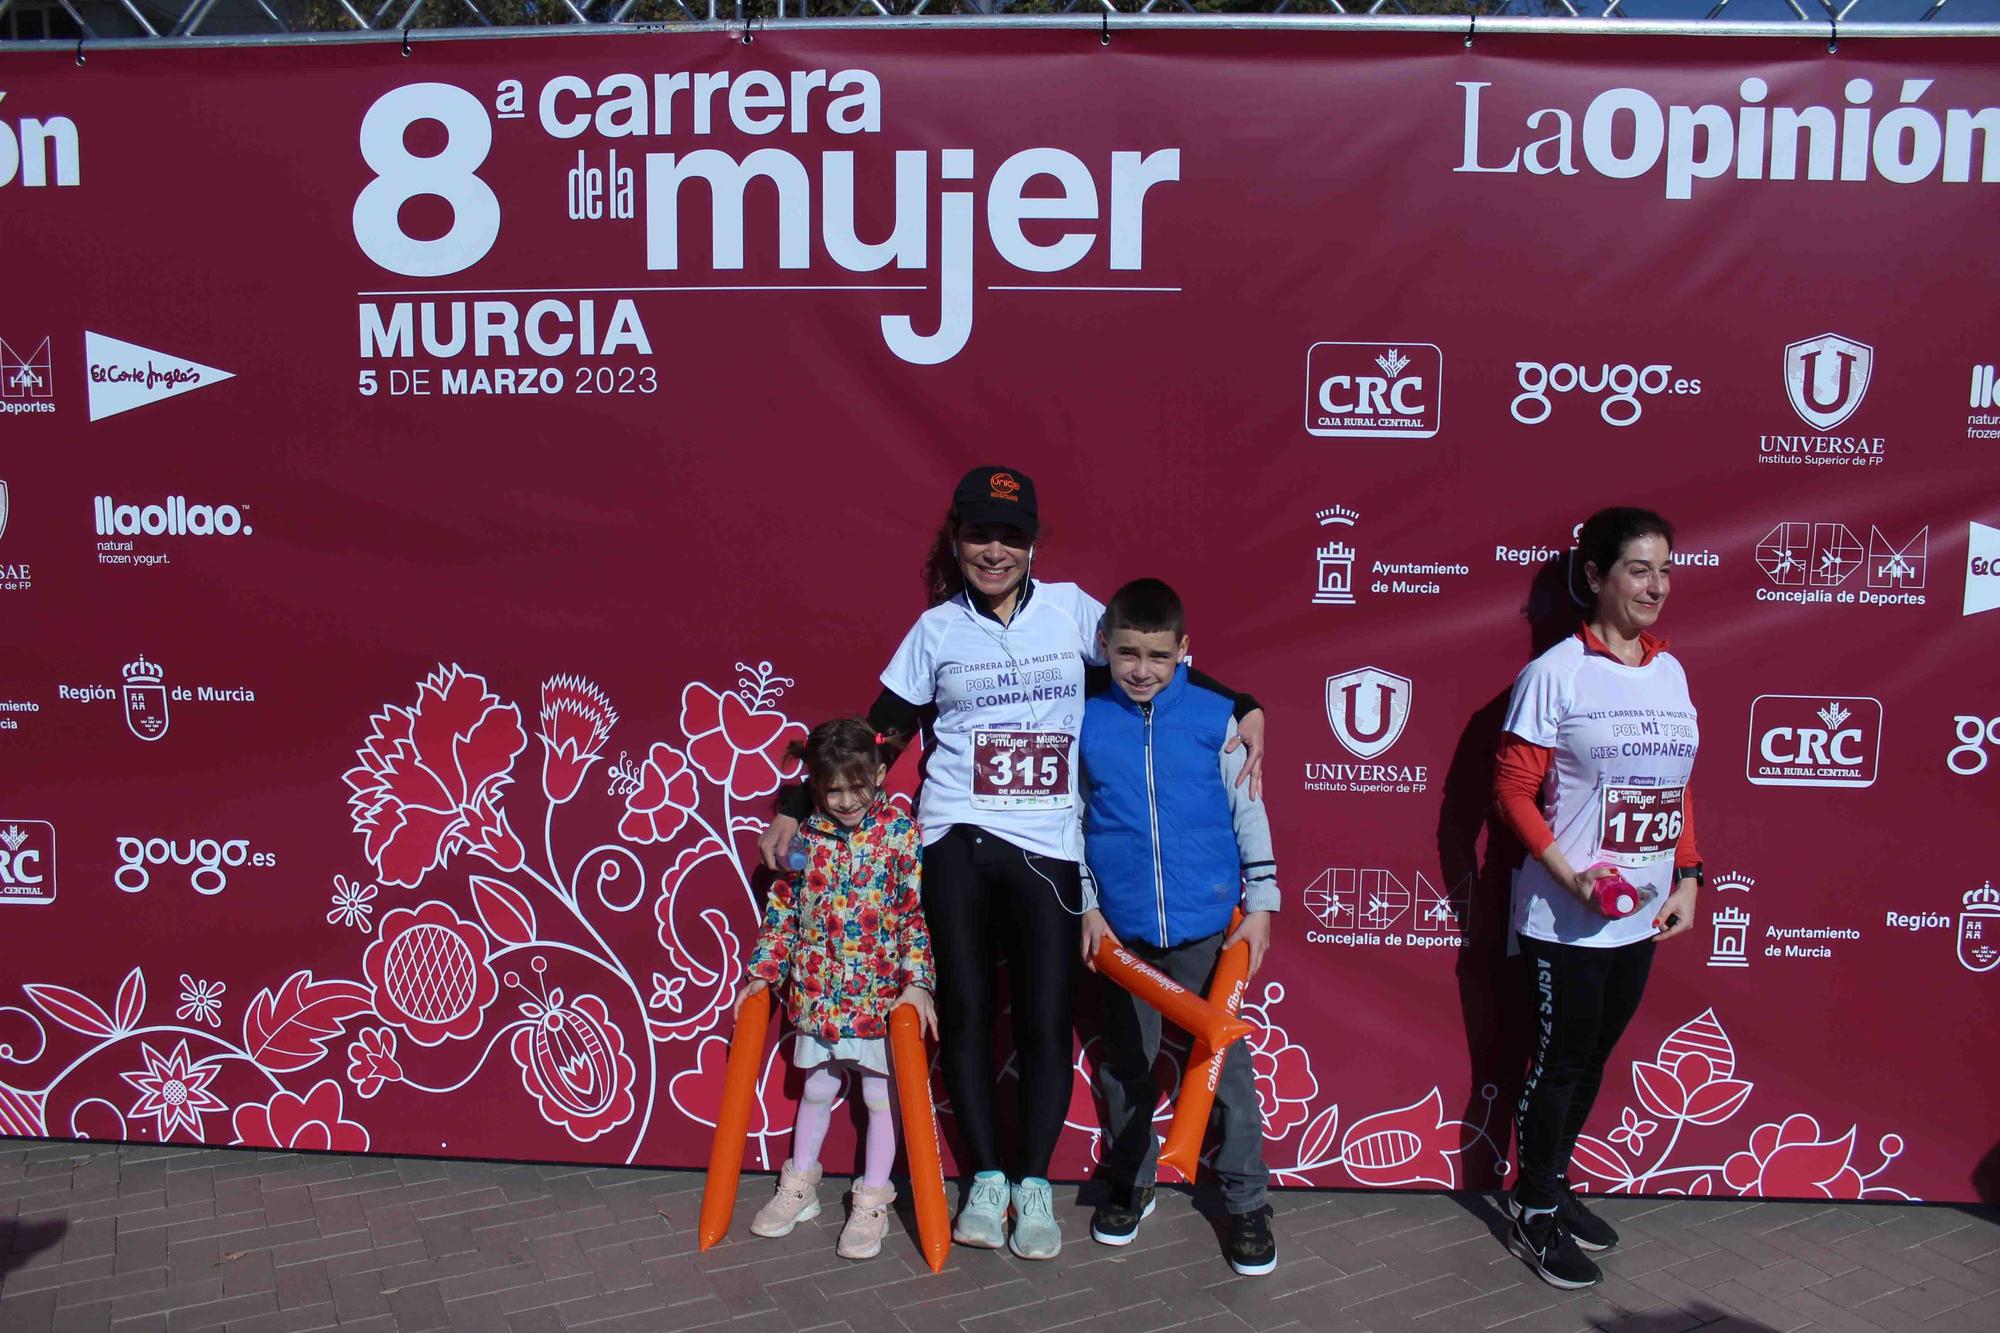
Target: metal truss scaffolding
(98,24)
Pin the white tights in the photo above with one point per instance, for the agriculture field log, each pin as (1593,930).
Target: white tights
(816,1113)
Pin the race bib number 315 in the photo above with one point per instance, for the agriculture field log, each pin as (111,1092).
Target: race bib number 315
(1641,824)
(1020,770)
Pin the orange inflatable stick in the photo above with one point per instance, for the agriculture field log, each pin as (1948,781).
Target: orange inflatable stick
(1179,1005)
(920,1133)
(732,1122)
(1182,1150)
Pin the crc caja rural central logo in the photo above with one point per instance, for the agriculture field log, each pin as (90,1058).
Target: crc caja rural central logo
(27,861)
(1374,389)
(1814,740)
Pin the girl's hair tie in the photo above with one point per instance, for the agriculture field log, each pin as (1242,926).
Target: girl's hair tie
(880,740)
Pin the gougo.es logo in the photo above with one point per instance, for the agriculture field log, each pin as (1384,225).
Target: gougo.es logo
(1969,756)
(1621,384)
(208,861)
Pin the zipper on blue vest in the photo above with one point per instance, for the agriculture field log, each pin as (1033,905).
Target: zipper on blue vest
(1153,814)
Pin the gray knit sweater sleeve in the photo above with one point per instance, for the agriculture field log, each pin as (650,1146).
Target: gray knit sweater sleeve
(1253,833)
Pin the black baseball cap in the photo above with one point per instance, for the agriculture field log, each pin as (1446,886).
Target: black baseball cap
(997,495)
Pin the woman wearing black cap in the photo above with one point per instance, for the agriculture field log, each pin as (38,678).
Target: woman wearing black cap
(993,673)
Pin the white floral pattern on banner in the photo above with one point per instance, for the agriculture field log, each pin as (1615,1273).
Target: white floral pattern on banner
(431,784)
(1692,1082)
(173,1091)
(353,904)
(201,1001)
(601,1041)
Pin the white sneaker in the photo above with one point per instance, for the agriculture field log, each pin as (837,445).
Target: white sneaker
(982,1218)
(1037,1235)
(796,1201)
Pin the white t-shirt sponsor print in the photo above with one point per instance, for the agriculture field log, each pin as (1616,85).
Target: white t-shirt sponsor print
(1624,739)
(1009,704)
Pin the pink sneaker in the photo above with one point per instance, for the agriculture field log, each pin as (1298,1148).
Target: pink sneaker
(796,1201)
(861,1238)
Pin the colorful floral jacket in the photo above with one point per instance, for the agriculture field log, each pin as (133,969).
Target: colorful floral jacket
(848,930)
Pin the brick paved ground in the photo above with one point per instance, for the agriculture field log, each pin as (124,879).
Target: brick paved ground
(155,1238)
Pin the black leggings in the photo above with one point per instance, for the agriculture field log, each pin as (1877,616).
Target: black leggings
(1583,998)
(984,897)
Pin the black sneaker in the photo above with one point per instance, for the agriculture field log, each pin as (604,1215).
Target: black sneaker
(1549,1249)
(1116,1220)
(1252,1251)
(1590,1231)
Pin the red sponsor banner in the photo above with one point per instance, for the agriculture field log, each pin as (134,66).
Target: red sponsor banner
(438,489)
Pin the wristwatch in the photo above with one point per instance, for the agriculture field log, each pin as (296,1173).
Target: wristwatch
(1692,872)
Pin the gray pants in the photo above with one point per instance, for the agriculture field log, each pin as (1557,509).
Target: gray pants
(1131,1041)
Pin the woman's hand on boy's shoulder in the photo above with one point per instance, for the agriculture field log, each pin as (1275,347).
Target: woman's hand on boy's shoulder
(1250,735)
(1256,930)
(1095,930)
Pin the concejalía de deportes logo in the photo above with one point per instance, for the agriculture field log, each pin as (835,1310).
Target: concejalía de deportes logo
(27,376)
(1101,205)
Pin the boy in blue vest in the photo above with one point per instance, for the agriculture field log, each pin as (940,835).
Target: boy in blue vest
(1173,846)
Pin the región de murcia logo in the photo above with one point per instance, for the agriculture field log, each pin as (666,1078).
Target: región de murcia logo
(146,697)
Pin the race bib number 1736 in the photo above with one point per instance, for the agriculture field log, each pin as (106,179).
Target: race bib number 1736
(1640,824)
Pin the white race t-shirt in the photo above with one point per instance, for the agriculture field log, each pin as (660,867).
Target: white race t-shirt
(1624,739)
(1009,704)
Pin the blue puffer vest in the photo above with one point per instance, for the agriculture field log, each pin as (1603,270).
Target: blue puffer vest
(1157,828)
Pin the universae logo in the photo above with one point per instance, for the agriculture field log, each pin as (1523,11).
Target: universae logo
(1826,377)
(1368,709)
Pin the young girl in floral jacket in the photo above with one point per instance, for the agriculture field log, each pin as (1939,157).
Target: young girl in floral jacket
(846,929)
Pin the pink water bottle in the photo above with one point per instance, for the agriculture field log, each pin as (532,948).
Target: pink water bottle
(1614,895)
